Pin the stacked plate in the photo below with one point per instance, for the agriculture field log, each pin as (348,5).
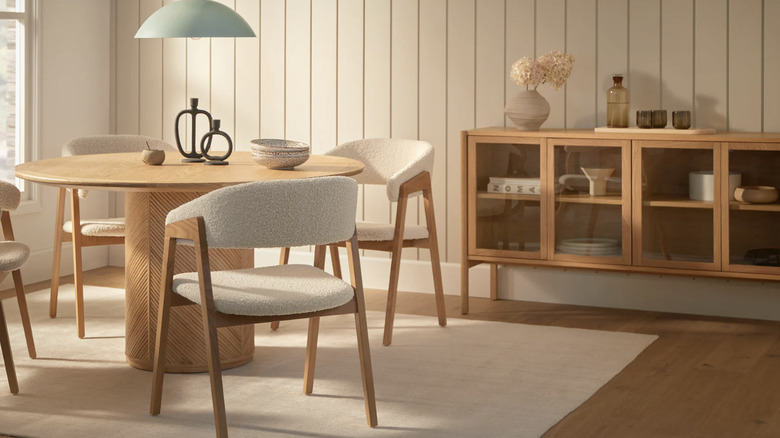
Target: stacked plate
(590,246)
(279,153)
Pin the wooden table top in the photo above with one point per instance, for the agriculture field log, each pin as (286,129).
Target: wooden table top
(126,172)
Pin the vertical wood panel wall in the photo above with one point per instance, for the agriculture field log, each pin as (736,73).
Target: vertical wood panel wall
(330,71)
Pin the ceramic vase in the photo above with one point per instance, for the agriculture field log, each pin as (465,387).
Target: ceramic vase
(527,110)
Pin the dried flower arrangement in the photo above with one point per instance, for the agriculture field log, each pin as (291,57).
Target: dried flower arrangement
(552,68)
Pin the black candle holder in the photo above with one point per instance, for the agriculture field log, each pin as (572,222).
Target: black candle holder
(216,160)
(193,156)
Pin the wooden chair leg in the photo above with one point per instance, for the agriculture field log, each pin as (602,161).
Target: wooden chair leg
(395,267)
(284,258)
(8,358)
(311,355)
(163,318)
(208,317)
(392,294)
(8,234)
(433,242)
(22,300)
(335,262)
(78,275)
(361,328)
(55,265)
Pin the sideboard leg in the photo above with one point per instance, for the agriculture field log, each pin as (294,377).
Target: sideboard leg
(494,281)
(464,287)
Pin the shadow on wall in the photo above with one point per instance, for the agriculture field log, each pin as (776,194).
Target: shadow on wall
(707,115)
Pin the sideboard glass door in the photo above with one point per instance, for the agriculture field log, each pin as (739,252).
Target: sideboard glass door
(753,213)
(678,214)
(592,200)
(506,206)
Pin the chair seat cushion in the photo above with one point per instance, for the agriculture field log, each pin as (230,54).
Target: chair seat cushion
(377,232)
(13,255)
(269,291)
(113,227)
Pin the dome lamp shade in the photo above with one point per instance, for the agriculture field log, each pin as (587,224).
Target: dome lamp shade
(195,19)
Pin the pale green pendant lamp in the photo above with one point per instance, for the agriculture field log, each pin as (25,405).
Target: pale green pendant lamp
(195,19)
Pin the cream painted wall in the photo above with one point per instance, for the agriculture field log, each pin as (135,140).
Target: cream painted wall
(72,100)
(329,71)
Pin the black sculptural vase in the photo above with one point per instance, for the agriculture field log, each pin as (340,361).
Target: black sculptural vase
(192,156)
(216,159)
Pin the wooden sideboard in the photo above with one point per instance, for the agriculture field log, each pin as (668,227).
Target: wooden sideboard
(667,206)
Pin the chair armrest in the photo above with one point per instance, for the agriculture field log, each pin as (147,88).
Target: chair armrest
(193,228)
(415,184)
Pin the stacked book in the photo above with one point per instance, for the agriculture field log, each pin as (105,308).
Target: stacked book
(519,186)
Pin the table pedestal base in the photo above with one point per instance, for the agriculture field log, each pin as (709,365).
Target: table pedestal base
(144,236)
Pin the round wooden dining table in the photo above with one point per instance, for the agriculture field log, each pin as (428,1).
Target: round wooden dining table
(150,193)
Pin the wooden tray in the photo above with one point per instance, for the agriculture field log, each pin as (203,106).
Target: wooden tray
(635,130)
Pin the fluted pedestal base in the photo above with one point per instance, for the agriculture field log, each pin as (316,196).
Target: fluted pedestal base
(144,236)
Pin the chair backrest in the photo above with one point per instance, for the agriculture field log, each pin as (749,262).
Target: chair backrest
(272,214)
(389,161)
(9,196)
(109,144)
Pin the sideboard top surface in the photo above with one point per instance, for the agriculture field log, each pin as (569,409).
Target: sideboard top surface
(751,137)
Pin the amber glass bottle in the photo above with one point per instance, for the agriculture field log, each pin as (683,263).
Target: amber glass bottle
(617,104)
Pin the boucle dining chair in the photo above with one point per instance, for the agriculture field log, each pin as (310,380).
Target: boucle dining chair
(404,167)
(14,254)
(264,214)
(92,232)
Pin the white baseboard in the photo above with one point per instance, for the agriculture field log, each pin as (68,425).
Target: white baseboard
(701,296)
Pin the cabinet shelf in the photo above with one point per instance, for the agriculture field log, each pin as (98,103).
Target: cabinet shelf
(608,199)
(734,205)
(676,202)
(507,196)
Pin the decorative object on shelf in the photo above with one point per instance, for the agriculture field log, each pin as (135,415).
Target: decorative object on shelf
(580,183)
(194,19)
(597,177)
(617,103)
(660,132)
(279,153)
(681,119)
(215,159)
(644,119)
(528,109)
(518,186)
(701,185)
(763,257)
(590,246)
(756,194)
(152,157)
(193,156)
(659,119)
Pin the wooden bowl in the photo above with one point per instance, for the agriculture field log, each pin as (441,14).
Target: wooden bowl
(756,194)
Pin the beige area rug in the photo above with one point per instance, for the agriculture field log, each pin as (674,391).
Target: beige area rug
(470,379)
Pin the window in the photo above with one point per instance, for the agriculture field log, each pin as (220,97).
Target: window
(15,62)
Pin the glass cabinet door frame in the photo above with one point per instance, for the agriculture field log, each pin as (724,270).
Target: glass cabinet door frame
(473,190)
(625,201)
(717,203)
(727,205)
